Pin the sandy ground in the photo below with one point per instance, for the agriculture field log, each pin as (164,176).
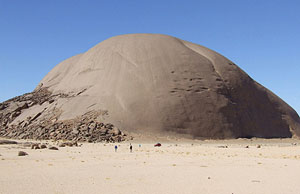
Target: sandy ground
(191,167)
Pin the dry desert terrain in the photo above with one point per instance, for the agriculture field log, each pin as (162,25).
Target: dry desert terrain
(226,166)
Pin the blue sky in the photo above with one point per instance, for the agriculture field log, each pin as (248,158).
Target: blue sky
(262,37)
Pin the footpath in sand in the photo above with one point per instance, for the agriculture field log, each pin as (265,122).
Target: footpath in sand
(199,167)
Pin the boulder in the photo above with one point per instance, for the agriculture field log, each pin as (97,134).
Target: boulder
(43,146)
(35,146)
(22,153)
(53,148)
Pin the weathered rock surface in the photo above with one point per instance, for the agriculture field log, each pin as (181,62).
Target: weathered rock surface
(147,83)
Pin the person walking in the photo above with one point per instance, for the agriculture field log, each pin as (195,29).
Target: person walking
(116,148)
(130,148)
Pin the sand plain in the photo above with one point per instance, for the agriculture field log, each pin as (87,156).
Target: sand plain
(183,167)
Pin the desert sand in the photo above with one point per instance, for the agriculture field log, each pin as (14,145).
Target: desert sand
(224,166)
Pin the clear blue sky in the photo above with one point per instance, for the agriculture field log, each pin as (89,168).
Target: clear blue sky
(261,36)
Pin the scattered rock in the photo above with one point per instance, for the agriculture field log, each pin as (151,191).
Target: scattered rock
(43,146)
(22,153)
(222,146)
(61,145)
(35,146)
(70,144)
(53,148)
(247,146)
(258,146)
(45,124)
(7,142)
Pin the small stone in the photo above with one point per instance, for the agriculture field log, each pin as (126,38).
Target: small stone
(35,146)
(258,146)
(22,153)
(43,146)
(62,145)
(75,143)
(53,148)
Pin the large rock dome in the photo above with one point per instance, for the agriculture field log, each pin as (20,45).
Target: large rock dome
(158,83)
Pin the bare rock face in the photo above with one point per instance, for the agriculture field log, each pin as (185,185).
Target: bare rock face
(147,83)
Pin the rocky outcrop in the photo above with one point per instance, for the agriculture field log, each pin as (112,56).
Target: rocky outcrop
(45,124)
(147,83)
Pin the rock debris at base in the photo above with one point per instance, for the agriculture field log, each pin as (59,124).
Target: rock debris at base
(46,126)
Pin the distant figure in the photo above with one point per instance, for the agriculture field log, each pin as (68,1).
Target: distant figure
(140,145)
(116,148)
(130,148)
